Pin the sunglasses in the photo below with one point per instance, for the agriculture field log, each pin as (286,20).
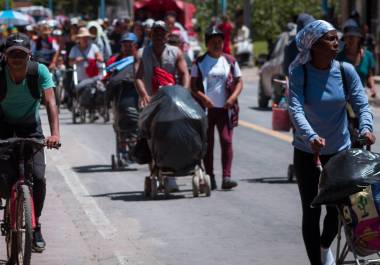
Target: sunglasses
(17,55)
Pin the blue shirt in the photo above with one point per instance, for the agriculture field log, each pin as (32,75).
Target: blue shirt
(320,110)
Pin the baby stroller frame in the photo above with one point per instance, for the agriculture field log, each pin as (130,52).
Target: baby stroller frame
(158,181)
(79,111)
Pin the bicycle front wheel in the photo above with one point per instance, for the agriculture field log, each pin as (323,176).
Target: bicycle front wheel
(22,236)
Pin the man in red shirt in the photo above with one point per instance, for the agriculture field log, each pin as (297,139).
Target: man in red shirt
(226,28)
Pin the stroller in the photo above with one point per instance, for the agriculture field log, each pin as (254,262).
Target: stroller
(280,115)
(89,99)
(121,92)
(175,127)
(350,182)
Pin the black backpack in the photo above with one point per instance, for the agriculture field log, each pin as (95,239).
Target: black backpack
(31,79)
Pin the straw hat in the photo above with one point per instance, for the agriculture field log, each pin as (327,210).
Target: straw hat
(45,29)
(83,32)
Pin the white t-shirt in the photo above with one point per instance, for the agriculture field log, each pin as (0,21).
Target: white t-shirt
(88,53)
(215,72)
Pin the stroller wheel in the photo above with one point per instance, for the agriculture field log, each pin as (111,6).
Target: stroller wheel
(74,117)
(196,185)
(147,187)
(82,116)
(207,185)
(154,188)
(113,162)
(291,173)
(166,187)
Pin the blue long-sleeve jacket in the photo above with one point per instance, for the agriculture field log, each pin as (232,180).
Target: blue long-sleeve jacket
(319,109)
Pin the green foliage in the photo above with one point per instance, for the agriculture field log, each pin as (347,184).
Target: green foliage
(270,16)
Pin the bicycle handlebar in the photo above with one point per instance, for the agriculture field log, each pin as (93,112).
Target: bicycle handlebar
(32,141)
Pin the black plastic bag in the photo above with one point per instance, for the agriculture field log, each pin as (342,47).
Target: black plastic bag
(141,152)
(176,126)
(347,173)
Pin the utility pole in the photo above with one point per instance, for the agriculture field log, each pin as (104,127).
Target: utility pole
(215,8)
(248,14)
(50,5)
(223,5)
(102,9)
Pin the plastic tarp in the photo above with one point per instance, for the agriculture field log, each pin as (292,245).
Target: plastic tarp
(347,173)
(121,90)
(176,128)
(159,8)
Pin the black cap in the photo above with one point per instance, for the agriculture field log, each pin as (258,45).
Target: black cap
(352,31)
(17,41)
(212,32)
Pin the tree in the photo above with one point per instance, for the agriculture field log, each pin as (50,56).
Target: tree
(271,16)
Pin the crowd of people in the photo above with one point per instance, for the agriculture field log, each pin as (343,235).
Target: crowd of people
(161,56)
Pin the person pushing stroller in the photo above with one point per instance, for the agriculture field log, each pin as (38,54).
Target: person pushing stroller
(121,92)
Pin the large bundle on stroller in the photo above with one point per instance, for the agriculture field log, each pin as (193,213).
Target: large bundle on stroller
(90,97)
(122,93)
(351,181)
(176,126)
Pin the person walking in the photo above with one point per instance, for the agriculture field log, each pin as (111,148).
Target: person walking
(216,83)
(159,54)
(169,59)
(317,106)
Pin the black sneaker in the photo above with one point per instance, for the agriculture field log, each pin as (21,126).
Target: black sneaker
(213,183)
(228,183)
(39,243)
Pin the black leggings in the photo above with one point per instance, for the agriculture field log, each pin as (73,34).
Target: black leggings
(308,178)
(39,182)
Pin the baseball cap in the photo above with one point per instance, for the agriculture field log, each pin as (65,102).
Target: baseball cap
(212,32)
(17,41)
(352,31)
(129,36)
(159,24)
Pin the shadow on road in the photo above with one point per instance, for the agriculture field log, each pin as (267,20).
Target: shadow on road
(135,196)
(261,109)
(273,180)
(100,169)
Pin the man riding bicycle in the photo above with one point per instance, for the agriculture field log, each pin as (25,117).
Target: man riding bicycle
(23,84)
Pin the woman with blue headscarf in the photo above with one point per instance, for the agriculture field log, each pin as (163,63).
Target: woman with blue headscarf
(317,105)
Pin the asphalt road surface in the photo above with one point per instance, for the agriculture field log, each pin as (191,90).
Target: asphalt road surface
(96,216)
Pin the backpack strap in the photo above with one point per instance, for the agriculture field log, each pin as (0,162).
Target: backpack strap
(343,74)
(32,80)
(304,79)
(3,82)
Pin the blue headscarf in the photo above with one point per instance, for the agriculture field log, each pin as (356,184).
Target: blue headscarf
(306,38)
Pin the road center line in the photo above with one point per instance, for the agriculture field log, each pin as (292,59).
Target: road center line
(89,205)
(275,134)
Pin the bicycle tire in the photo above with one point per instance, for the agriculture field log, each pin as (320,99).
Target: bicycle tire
(24,214)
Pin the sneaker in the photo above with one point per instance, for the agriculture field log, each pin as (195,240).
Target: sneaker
(213,183)
(173,187)
(228,183)
(327,257)
(39,243)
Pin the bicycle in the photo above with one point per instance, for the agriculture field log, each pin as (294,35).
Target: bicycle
(19,218)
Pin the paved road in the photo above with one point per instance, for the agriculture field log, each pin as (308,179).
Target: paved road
(96,216)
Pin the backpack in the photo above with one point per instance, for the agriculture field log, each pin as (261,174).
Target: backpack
(31,79)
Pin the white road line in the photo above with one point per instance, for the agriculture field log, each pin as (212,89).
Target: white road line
(89,205)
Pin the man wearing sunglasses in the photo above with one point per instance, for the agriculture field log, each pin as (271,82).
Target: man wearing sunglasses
(19,112)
